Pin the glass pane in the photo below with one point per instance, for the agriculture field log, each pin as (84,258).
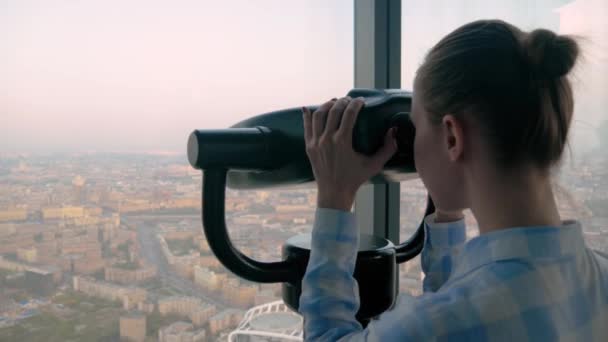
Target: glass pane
(413,203)
(100,228)
(580,185)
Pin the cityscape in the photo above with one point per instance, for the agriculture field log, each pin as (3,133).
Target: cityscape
(107,245)
(104,247)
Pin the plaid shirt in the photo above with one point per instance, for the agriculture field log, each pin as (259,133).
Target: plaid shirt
(519,284)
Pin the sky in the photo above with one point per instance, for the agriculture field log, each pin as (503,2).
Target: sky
(139,75)
(426,22)
(133,75)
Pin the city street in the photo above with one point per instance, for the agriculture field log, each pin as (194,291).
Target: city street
(150,248)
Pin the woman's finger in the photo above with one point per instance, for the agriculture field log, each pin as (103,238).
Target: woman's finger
(306,120)
(335,115)
(349,118)
(384,154)
(318,118)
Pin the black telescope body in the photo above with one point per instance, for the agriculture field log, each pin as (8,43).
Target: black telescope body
(268,150)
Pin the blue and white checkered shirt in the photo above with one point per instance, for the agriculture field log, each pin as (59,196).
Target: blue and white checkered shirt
(519,284)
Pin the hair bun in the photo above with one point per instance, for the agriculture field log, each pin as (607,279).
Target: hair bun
(550,55)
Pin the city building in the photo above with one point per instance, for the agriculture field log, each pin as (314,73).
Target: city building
(239,293)
(78,190)
(193,308)
(133,327)
(207,279)
(11,215)
(62,213)
(39,281)
(127,276)
(225,319)
(129,296)
(146,306)
(27,254)
(181,332)
(7,229)
(17,266)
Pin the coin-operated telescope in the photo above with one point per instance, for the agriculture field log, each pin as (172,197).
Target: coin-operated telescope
(268,150)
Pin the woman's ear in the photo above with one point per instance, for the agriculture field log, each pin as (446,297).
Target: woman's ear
(454,136)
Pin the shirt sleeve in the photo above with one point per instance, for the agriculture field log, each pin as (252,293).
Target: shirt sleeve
(442,243)
(330,293)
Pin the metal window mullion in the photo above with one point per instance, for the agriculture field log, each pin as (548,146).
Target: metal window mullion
(378,65)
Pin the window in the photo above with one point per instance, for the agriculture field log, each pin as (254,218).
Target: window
(580,184)
(100,230)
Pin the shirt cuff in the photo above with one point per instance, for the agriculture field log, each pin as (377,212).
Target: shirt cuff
(334,225)
(444,234)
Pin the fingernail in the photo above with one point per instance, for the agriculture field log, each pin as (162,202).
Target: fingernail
(334,99)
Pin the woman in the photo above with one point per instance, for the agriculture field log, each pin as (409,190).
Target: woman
(492,106)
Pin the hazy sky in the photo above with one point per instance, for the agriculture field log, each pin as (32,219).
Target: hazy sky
(136,75)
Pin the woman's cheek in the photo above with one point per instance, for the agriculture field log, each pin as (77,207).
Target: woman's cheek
(418,158)
(425,163)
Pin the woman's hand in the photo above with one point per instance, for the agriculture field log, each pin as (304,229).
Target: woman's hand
(338,169)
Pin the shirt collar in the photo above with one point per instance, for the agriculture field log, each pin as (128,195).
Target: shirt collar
(522,243)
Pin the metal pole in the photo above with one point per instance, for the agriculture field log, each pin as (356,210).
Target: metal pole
(378,65)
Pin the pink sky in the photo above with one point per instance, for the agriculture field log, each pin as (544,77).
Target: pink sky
(137,75)
(141,75)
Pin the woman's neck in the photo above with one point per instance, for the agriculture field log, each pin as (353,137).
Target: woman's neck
(521,198)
